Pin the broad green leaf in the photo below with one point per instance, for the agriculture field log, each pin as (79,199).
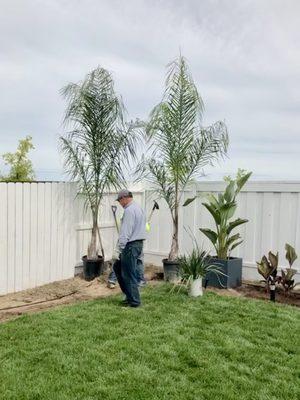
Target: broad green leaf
(231,211)
(212,236)
(242,180)
(232,239)
(291,255)
(214,212)
(227,210)
(235,223)
(213,200)
(220,199)
(290,273)
(265,260)
(264,268)
(235,245)
(273,259)
(230,192)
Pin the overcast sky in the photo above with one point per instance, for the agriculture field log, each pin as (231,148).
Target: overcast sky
(244,56)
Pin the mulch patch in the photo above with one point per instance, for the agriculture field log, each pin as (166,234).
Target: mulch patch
(258,291)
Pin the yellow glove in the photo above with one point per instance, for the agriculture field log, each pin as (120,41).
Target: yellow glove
(148,227)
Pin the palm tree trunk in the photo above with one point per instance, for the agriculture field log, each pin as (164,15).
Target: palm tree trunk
(173,255)
(100,242)
(92,248)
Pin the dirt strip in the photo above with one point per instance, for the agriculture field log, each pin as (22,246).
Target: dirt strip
(66,291)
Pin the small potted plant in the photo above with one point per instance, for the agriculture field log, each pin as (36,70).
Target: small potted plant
(193,269)
(222,208)
(179,147)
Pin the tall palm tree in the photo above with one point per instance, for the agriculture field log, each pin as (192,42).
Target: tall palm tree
(99,145)
(179,146)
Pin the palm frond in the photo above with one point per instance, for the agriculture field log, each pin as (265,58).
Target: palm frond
(174,131)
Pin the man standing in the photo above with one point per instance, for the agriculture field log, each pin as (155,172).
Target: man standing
(132,235)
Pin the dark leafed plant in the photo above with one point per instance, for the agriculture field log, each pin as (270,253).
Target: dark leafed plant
(179,147)
(267,268)
(222,208)
(290,254)
(99,145)
(287,276)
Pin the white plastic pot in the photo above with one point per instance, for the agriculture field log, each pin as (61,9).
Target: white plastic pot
(195,288)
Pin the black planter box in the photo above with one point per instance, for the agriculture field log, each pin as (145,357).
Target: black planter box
(171,270)
(232,267)
(92,268)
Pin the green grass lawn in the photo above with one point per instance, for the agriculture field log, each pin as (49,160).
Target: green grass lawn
(173,348)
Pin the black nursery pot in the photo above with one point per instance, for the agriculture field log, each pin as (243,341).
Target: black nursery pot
(232,267)
(92,268)
(171,270)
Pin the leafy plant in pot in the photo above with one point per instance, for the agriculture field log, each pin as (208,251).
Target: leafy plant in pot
(179,147)
(96,150)
(194,267)
(222,208)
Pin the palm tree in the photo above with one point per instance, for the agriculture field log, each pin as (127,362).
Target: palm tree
(179,146)
(100,144)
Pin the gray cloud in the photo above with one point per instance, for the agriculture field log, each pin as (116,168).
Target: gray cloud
(244,56)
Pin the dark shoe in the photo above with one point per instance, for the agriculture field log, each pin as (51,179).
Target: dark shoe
(126,304)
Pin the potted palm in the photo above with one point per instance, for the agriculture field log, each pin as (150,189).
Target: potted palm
(194,267)
(222,209)
(179,147)
(96,149)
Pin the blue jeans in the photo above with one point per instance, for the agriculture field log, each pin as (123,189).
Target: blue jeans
(112,278)
(127,273)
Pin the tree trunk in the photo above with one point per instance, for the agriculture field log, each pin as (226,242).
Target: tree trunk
(92,248)
(100,243)
(173,255)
